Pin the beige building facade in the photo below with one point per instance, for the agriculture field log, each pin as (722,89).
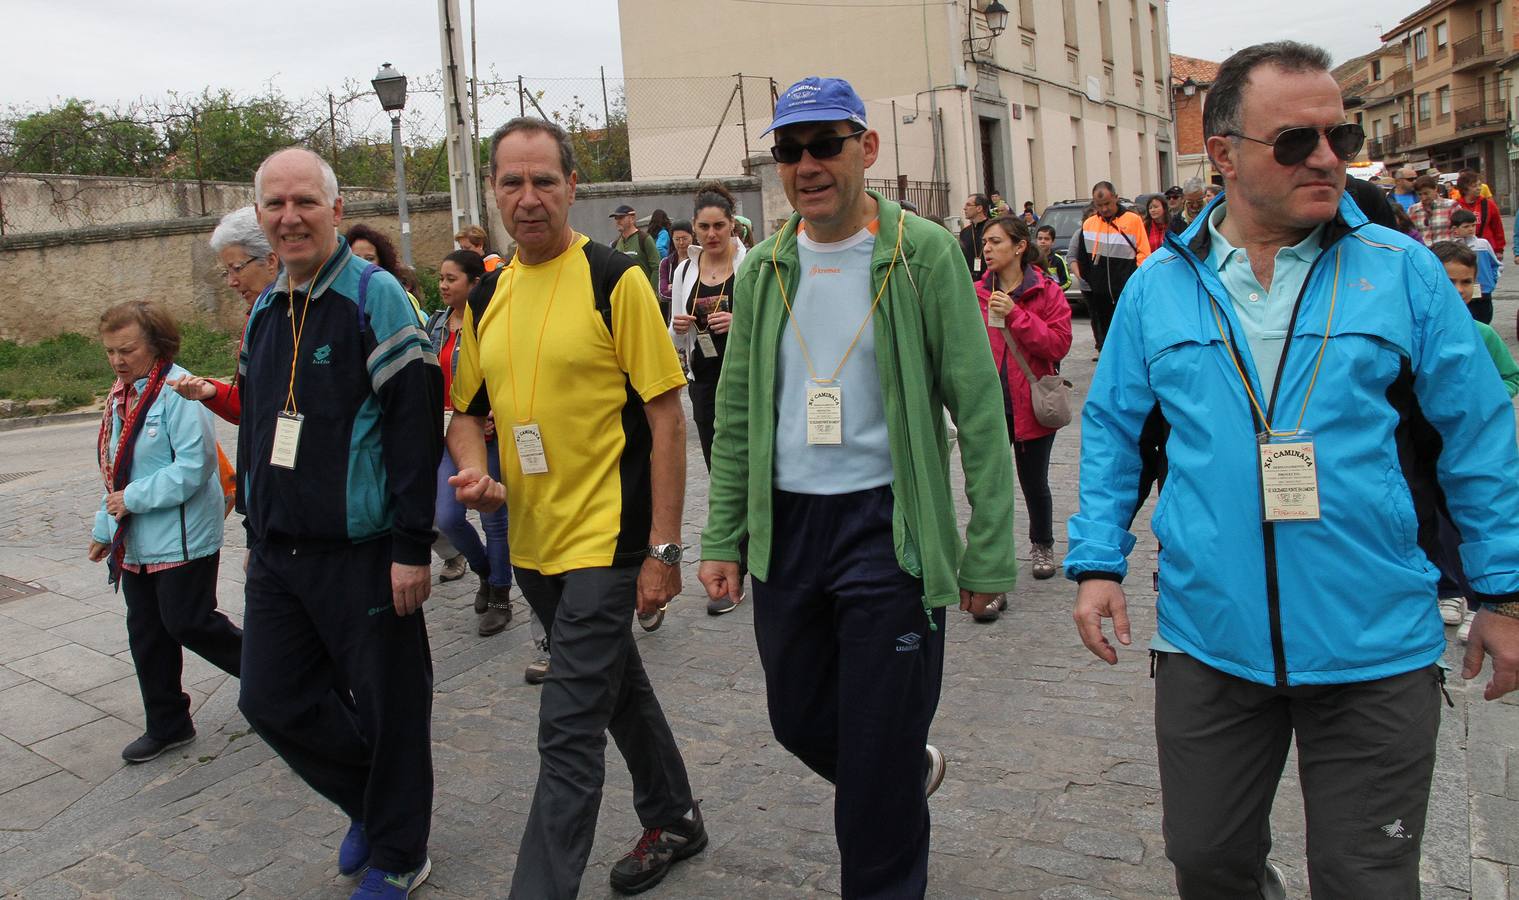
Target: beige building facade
(1070,92)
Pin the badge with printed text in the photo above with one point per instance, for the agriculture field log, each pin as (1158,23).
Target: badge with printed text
(448,418)
(825,414)
(994,320)
(287,439)
(1289,478)
(530,449)
(707,345)
(977,264)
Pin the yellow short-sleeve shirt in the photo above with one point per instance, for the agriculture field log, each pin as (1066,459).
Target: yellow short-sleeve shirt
(541,353)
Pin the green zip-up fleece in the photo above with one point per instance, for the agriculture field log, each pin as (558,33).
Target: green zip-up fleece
(932,354)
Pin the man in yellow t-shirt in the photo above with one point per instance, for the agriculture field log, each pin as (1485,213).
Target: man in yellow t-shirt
(566,345)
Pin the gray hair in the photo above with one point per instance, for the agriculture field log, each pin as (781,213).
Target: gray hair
(1222,111)
(1193,185)
(541,126)
(329,177)
(239,228)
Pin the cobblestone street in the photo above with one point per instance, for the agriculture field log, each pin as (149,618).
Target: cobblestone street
(1051,793)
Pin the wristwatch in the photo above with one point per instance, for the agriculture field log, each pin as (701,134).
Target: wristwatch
(669,554)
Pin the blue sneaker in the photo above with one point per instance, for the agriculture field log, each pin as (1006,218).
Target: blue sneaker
(353,853)
(378,885)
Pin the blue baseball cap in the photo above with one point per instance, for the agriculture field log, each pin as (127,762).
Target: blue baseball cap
(815,99)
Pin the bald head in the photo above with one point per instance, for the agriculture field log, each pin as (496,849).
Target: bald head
(303,161)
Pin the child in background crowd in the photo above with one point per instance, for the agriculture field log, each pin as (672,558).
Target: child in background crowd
(1463,224)
(1052,263)
(1461,268)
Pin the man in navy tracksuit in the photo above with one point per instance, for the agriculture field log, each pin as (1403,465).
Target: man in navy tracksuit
(337,459)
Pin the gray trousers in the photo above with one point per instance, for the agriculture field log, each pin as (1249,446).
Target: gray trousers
(1366,755)
(596,684)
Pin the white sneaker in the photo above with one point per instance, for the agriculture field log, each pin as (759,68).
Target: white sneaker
(1465,630)
(1451,609)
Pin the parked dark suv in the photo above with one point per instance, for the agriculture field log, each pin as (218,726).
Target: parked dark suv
(1066,217)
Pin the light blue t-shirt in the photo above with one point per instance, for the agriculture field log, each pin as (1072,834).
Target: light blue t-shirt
(833,298)
(1265,315)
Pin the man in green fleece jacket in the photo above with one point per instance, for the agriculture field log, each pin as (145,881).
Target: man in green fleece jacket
(853,329)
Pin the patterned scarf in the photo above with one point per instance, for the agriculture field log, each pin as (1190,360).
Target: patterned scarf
(117,469)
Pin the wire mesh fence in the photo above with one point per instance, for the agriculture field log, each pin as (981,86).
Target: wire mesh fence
(77,164)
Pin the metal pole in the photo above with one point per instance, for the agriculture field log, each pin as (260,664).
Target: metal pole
(715,132)
(743,121)
(606,108)
(896,144)
(521,106)
(395,148)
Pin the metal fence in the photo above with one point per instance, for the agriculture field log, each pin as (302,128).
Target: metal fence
(930,197)
(77,165)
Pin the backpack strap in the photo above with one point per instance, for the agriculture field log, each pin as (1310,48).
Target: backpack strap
(364,277)
(607,266)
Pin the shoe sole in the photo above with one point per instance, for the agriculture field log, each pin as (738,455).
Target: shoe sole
(445,579)
(713,611)
(939,771)
(421,876)
(484,632)
(535,679)
(655,878)
(1041,576)
(172,745)
(654,623)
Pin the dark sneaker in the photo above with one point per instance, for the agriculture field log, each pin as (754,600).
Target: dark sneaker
(653,620)
(353,853)
(148,747)
(378,885)
(537,671)
(723,604)
(933,769)
(993,609)
(454,569)
(657,851)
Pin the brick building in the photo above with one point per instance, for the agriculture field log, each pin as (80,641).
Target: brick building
(1190,80)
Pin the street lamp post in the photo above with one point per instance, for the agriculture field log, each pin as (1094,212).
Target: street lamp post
(390,87)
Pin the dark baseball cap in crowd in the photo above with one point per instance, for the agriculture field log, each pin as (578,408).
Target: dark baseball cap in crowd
(1174,191)
(622,210)
(815,99)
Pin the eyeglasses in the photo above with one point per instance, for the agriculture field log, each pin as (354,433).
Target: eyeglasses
(238,268)
(1293,145)
(821,148)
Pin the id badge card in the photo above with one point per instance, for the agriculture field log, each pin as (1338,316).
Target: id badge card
(825,413)
(707,345)
(287,439)
(530,449)
(976,264)
(448,418)
(1289,478)
(994,320)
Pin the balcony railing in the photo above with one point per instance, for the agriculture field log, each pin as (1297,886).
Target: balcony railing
(1376,149)
(1474,48)
(1479,115)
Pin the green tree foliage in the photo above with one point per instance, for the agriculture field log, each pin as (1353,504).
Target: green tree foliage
(218,137)
(601,149)
(76,138)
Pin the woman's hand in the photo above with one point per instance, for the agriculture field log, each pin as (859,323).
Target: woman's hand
(193,387)
(116,504)
(1000,303)
(719,322)
(98,551)
(682,322)
(490,426)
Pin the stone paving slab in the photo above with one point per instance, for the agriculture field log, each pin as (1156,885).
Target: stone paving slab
(1051,793)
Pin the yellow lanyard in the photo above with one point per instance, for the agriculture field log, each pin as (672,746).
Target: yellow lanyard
(1234,358)
(511,368)
(802,343)
(295,337)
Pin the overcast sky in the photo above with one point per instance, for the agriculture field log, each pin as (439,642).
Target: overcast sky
(110,51)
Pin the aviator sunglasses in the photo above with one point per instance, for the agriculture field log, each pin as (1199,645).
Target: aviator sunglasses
(821,148)
(1293,145)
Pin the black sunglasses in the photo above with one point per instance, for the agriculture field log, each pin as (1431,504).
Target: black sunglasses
(1293,145)
(820,148)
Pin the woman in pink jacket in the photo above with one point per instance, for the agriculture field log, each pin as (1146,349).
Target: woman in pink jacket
(1019,299)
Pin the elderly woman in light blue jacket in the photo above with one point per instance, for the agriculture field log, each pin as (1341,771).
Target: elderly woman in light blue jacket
(160,523)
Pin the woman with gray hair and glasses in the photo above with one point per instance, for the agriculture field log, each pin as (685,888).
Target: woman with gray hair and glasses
(248,265)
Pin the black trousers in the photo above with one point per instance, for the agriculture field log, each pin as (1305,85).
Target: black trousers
(341,687)
(852,675)
(596,684)
(167,613)
(1100,311)
(704,411)
(1032,460)
(1366,755)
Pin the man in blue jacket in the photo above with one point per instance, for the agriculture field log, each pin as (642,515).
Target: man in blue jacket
(337,461)
(1309,387)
